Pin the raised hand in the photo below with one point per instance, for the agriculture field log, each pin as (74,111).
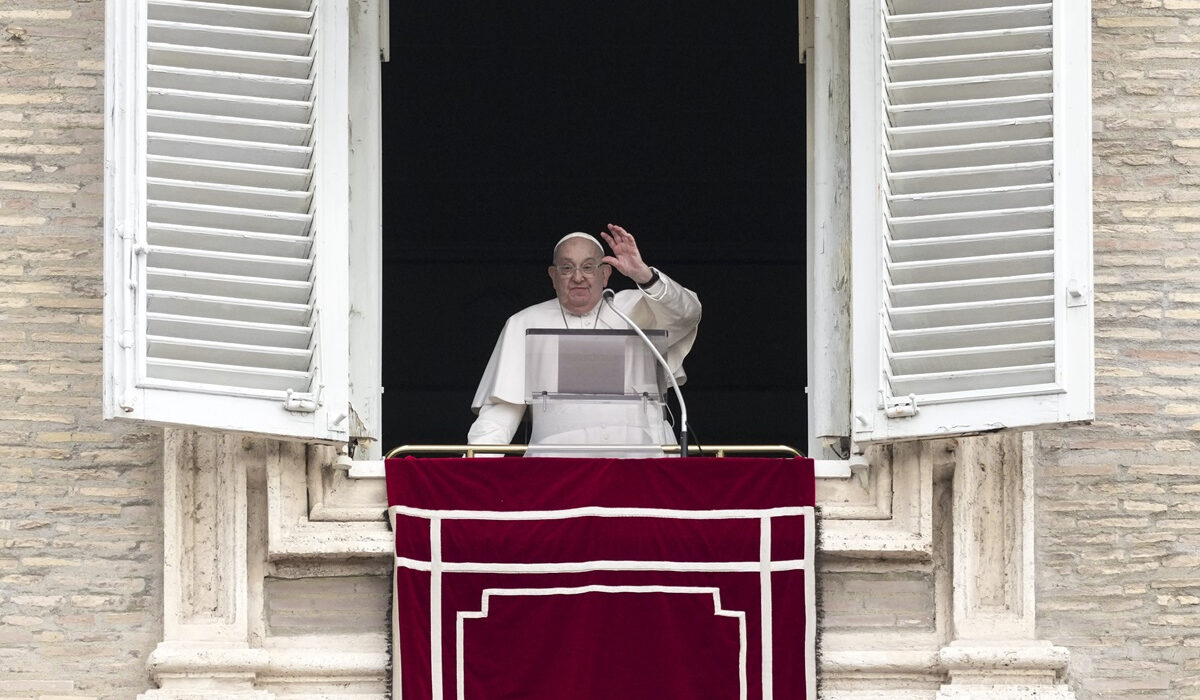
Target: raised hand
(625,258)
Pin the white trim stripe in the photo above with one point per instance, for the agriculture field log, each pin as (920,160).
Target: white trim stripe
(600,565)
(435,607)
(764,566)
(764,597)
(739,615)
(810,610)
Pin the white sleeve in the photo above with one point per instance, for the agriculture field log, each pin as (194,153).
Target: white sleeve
(496,424)
(675,307)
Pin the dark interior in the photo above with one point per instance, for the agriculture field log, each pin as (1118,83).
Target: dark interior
(508,125)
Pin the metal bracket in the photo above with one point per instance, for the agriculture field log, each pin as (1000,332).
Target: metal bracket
(1077,293)
(901,406)
(297,402)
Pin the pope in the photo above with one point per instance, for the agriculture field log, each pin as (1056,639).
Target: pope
(579,274)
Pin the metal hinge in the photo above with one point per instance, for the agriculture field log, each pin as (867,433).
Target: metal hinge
(299,402)
(900,406)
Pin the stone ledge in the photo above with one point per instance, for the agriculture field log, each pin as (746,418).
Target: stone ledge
(984,656)
(904,661)
(1005,692)
(207,659)
(213,670)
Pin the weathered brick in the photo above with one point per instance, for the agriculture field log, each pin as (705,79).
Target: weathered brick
(53,577)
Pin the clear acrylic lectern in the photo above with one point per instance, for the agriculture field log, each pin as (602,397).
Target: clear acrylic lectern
(600,388)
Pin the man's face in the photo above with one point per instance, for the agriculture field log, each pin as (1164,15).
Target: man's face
(577,292)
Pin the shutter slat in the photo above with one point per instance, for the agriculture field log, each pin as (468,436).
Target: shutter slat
(969,110)
(928,249)
(267,131)
(968,20)
(227,375)
(218,105)
(966,314)
(228,331)
(956,134)
(975,267)
(970,223)
(929,339)
(235,196)
(227,37)
(969,155)
(964,43)
(251,62)
(975,290)
(229,83)
(229,150)
(972,380)
(229,15)
(247,356)
(295,5)
(207,216)
(982,87)
(200,170)
(912,7)
(200,238)
(239,286)
(972,358)
(972,65)
(932,203)
(258,266)
(217,307)
(950,179)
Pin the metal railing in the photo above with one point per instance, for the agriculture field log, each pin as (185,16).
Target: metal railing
(832,469)
(693,450)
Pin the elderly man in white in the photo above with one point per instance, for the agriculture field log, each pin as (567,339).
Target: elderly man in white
(579,274)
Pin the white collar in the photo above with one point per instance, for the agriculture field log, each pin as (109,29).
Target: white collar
(593,314)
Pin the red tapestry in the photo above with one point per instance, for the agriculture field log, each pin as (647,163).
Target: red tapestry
(594,579)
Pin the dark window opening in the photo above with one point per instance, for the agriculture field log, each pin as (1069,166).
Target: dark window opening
(507,125)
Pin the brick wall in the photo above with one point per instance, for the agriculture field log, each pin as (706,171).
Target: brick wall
(80,520)
(1119,501)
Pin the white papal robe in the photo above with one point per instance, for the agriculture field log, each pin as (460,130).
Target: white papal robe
(501,396)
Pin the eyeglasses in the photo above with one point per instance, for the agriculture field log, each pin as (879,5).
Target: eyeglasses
(588,269)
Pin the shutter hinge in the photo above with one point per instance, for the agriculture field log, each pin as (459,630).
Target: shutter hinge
(301,402)
(900,406)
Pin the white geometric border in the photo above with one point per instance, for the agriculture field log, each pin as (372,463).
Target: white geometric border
(436,566)
(739,615)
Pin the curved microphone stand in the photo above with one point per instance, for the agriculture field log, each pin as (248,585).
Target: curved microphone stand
(609,295)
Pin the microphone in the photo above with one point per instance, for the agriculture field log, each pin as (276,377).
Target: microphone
(608,296)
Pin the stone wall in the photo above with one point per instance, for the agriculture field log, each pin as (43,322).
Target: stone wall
(1118,538)
(80,520)
(1119,501)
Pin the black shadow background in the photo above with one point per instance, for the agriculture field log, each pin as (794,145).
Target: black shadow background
(508,125)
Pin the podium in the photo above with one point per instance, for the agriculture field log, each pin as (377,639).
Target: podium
(592,577)
(600,388)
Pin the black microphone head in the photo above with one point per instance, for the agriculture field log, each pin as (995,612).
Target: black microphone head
(609,294)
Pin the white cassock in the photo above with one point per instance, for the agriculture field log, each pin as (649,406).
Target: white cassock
(501,396)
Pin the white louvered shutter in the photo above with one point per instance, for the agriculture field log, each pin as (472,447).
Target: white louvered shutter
(971,175)
(226,210)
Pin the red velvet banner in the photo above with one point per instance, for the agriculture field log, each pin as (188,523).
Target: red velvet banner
(591,579)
